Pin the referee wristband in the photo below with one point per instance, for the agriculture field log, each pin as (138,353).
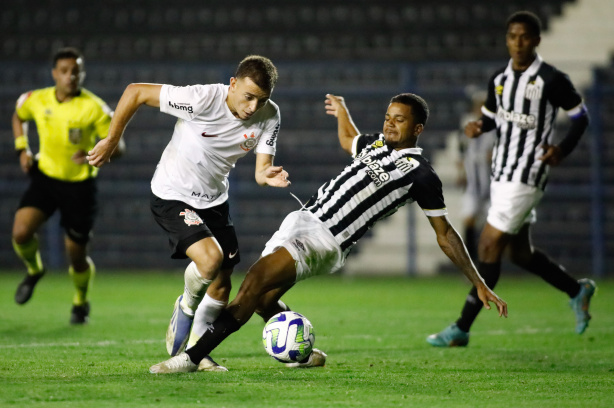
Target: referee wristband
(21,143)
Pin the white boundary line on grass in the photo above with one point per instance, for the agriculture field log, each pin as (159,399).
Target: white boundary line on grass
(105,343)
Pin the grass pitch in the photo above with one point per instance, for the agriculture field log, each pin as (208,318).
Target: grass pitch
(372,329)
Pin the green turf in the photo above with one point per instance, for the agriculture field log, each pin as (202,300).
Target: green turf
(372,329)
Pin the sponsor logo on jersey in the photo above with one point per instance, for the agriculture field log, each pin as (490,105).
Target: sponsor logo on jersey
(204,134)
(190,217)
(533,91)
(522,120)
(181,106)
(378,143)
(271,140)
(249,142)
(406,164)
(375,170)
(499,89)
(298,245)
(209,197)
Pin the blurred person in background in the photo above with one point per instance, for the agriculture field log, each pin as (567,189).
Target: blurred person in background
(69,120)
(522,104)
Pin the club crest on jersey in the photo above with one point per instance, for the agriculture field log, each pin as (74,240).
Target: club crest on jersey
(499,89)
(249,142)
(406,164)
(75,136)
(190,217)
(533,91)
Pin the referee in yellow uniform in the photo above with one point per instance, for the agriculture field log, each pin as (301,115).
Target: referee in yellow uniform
(69,120)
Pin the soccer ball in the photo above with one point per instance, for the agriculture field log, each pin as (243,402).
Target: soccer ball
(288,337)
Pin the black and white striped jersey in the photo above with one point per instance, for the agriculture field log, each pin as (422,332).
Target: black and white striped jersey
(524,106)
(379,180)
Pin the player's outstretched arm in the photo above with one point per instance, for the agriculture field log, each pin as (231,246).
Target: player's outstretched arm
(452,245)
(346,129)
(133,97)
(268,175)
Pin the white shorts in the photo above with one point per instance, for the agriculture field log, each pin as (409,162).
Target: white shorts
(310,243)
(512,205)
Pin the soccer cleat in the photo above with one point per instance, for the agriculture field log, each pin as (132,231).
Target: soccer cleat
(581,302)
(26,288)
(317,358)
(178,330)
(451,336)
(179,364)
(80,314)
(207,364)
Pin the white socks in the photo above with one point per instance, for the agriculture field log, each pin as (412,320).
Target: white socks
(194,290)
(208,310)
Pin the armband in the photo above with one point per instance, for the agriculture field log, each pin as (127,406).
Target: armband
(21,143)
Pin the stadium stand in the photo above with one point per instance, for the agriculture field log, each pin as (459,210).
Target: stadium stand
(364,50)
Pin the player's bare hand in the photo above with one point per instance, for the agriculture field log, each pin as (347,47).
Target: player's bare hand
(276,176)
(80,157)
(335,105)
(552,155)
(473,129)
(486,296)
(26,161)
(101,153)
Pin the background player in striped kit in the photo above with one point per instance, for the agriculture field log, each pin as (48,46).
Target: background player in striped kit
(388,171)
(523,99)
(69,119)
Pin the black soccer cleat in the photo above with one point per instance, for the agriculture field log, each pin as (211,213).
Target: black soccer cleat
(80,314)
(26,288)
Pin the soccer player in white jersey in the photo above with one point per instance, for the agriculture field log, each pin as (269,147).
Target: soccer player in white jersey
(216,125)
(388,171)
(523,99)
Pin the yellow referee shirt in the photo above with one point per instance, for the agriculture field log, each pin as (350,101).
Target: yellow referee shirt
(64,129)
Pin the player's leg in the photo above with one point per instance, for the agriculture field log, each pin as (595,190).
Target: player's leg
(82,271)
(490,250)
(272,271)
(525,255)
(25,243)
(207,257)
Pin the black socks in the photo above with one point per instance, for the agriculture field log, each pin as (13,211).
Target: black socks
(221,328)
(490,272)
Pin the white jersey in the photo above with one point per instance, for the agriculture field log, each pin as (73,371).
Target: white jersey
(207,142)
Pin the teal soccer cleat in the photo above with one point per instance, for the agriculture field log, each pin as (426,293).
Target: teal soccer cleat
(451,336)
(581,303)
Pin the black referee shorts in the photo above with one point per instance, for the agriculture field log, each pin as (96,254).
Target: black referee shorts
(185,225)
(76,202)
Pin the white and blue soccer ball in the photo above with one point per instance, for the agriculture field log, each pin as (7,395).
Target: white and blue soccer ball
(288,337)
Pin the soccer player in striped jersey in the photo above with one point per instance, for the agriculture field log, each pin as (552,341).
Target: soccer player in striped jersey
(387,172)
(69,119)
(522,104)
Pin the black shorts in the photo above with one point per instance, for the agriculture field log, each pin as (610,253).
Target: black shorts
(76,201)
(186,225)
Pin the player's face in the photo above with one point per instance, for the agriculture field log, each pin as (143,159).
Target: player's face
(245,97)
(400,128)
(521,44)
(68,75)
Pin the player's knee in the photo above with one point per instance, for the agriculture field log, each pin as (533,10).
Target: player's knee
(22,234)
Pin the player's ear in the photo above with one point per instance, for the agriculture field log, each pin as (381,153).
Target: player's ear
(233,83)
(418,129)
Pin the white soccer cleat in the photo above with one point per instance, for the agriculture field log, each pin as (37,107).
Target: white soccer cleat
(178,364)
(207,364)
(317,358)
